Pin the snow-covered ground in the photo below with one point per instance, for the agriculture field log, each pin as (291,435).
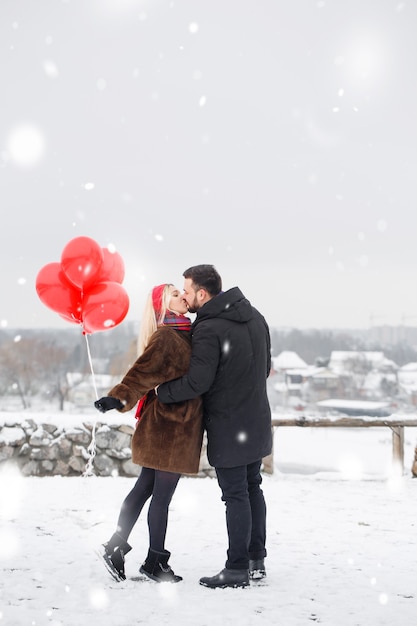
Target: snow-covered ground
(341,544)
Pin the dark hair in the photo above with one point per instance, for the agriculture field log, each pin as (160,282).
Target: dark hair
(205,277)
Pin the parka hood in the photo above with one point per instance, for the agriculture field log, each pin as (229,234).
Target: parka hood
(230,305)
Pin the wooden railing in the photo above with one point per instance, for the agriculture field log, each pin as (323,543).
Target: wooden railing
(396,423)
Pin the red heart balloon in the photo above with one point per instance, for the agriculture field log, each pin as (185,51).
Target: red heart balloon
(112,269)
(81,261)
(57,293)
(104,306)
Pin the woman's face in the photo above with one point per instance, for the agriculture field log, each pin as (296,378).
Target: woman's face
(177,302)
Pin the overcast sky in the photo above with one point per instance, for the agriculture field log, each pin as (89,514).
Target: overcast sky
(274,139)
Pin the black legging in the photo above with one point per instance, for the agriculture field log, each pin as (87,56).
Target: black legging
(161,486)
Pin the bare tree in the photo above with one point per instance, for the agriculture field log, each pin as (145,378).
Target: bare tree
(29,366)
(53,369)
(19,368)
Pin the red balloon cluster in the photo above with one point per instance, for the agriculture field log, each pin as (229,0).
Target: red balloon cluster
(85,286)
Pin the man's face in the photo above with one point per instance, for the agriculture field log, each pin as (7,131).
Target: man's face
(190,296)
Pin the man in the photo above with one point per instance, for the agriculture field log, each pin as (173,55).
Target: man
(230,362)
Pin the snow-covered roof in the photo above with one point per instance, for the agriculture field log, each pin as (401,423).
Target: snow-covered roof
(288,360)
(323,372)
(368,355)
(407,376)
(409,367)
(340,359)
(389,363)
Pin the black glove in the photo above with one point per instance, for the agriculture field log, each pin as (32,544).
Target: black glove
(107,403)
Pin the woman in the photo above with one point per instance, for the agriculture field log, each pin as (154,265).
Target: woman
(167,439)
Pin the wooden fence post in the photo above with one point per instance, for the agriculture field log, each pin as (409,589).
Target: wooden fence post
(398,446)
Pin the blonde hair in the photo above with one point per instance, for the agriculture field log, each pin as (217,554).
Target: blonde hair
(150,322)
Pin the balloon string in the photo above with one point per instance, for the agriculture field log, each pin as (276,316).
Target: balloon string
(92,447)
(91,366)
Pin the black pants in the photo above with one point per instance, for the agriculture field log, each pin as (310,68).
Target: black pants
(161,487)
(245,513)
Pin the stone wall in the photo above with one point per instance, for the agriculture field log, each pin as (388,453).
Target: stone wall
(45,449)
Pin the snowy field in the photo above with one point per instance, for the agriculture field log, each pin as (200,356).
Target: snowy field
(341,544)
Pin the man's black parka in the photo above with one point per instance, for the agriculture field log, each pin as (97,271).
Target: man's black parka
(230,362)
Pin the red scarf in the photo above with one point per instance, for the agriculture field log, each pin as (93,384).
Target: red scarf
(177,322)
(141,406)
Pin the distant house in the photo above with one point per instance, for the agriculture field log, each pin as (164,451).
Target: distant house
(287,360)
(365,374)
(407,382)
(341,360)
(286,380)
(324,383)
(350,375)
(299,383)
(379,384)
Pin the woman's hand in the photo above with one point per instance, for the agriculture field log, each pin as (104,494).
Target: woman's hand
(108,402)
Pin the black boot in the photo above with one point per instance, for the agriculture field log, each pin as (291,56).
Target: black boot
(114,556)
(156,567)
(257,569)
(227,578)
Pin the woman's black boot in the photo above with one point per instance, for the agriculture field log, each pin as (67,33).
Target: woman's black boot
(156,567)
(113,556)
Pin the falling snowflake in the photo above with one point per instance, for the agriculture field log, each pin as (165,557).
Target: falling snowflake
(381,226)
(98,598)
(50,69)
(26,145)
(226,347)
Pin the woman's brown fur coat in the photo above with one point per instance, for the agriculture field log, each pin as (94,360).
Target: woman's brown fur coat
(168,436)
